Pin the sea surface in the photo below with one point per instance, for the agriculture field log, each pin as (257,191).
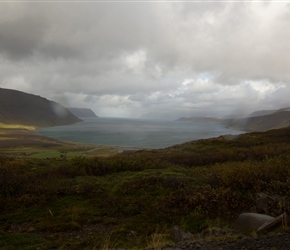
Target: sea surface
(139,133)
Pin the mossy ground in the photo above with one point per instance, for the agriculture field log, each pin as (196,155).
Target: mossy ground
(133,200)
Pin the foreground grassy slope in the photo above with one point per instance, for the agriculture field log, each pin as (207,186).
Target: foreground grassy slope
(79,203)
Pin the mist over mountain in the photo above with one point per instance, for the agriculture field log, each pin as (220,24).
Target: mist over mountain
(211,120)
(261,120)
(261,113)
(82,112)
(17,107)
(274,120)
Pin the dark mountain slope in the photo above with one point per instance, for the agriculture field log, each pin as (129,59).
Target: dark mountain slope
(276,120)
(261,113)
(82,112)
(17,107)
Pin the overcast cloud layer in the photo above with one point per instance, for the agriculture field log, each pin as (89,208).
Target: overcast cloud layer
(149,60)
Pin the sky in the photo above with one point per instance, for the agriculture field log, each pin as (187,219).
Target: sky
(149,59)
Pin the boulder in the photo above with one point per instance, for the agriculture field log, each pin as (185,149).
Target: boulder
(248,222)
(268,204)
(281,220)
(179,235)
(262,202)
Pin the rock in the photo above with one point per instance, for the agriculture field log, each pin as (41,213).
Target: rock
(248,222)
(179,235)
(213,231)
(198,235)
(281,220)
(187,236)
(261,242)
(176,234)
(262,201)
(198,245)
(268,204)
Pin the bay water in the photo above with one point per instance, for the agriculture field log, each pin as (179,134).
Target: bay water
(139,133)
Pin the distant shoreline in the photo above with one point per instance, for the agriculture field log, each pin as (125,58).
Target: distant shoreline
(136,133)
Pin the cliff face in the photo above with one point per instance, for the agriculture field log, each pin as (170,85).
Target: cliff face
(17,107)
(82,112)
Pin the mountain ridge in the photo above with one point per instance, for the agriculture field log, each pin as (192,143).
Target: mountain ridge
(17,107)
(262,120)
(276,120)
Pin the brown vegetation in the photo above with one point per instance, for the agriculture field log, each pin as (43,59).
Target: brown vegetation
(128,196)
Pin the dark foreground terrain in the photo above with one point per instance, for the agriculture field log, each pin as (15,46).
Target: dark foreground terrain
(279,241)
(132,201)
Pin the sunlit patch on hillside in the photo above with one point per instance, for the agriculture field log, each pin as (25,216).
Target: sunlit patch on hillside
(16,126)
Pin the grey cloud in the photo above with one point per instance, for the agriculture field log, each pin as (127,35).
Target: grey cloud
(280,98)
(21,37)
(133,58)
